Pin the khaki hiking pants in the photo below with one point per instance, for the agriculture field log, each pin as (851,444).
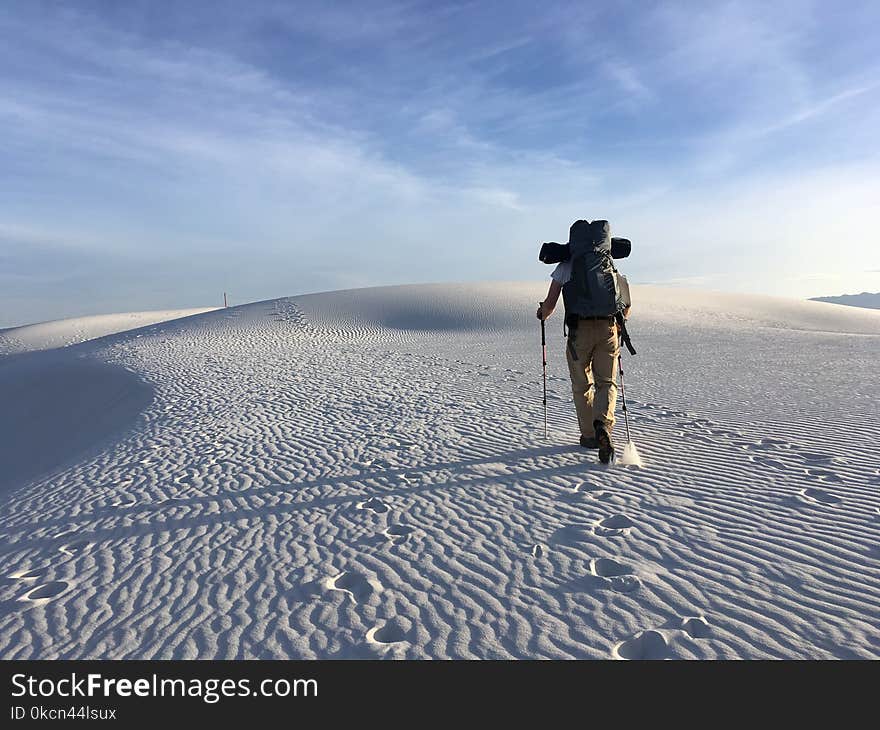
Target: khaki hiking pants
(594,372)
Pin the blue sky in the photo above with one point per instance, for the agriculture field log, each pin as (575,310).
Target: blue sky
(155,154)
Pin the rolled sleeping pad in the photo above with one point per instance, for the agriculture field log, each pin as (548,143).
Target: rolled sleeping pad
(620,248)
(553,253)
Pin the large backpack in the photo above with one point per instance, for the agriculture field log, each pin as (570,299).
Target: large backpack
(593,289)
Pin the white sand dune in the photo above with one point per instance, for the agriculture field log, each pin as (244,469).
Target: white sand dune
(65,332)
(364,474)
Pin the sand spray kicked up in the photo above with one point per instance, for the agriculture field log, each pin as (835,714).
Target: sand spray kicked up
(629,456)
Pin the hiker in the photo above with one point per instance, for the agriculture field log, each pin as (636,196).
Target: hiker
(594,305)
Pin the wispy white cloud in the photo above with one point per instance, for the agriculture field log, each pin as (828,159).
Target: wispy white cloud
(748,136)
(751,48)
(815,108)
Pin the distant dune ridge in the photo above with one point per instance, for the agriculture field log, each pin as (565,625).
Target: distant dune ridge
(364,474)
(865,299)
(64,332)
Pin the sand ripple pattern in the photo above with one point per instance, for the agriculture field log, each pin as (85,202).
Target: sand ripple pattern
(309,482)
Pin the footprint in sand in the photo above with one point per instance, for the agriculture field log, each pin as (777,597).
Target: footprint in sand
(612,526)
(539,551)
(571,534)
(591,491)
(771,463)
(355,584)
(696,627)
(375,504)
(44,593)
(821,496)
(618,576)
(394,631)
(399,534)
(645,645)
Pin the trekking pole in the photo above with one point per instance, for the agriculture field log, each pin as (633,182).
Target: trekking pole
(544,363)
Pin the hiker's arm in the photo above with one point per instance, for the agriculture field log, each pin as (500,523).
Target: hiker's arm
(549,304)
(626,312)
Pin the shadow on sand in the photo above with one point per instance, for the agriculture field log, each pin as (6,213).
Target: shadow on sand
(57,407)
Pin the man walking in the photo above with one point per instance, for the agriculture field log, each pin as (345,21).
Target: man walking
(591,292)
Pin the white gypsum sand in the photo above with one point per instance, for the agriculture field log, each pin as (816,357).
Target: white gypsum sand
(65,332)
(364,474)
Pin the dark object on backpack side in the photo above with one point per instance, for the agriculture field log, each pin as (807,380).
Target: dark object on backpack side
(553,253)
(620,248)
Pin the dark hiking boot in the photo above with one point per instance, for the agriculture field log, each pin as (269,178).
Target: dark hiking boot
(606,446)
(589,442)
